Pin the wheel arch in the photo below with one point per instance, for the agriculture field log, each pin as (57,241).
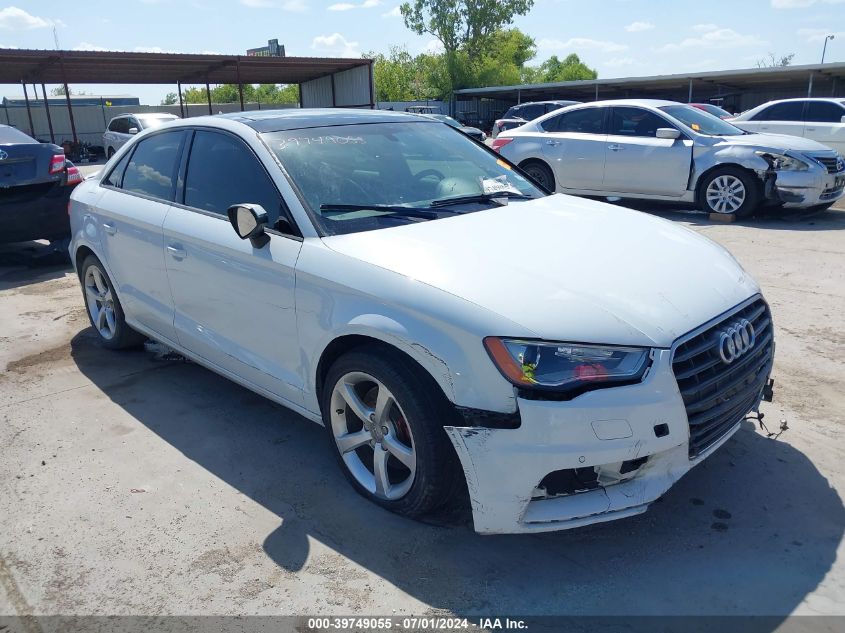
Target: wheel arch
(345,343)
(705,175)
(540,161)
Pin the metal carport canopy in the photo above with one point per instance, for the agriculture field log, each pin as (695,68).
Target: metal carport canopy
(770,78)
(103,67)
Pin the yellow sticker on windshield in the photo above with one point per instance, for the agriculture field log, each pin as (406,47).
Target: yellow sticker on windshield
(696,127)
(502,163)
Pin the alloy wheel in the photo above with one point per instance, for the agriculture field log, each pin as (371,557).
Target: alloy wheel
(725,194)
(373,436)
(100,301)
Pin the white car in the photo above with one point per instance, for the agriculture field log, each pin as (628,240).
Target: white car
(821,120)
(447,322)
(663,150)
(122,128)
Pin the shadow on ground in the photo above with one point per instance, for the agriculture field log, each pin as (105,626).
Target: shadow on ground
(25,263)
(765,219)
(752,530)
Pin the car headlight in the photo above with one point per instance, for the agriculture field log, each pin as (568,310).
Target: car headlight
(565,367)
(783,162)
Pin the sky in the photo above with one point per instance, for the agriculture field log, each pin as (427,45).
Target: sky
(620,38)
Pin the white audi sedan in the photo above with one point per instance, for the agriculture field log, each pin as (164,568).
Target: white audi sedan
(449,323)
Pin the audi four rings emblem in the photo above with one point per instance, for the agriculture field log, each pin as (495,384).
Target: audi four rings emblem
(737,340)
(3,155)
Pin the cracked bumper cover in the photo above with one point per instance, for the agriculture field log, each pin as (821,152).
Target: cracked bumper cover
(504,466)
(807,188)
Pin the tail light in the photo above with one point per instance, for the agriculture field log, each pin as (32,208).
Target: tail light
(57,164)
(499,143)
(73,177)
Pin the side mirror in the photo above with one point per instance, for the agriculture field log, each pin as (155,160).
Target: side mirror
(132,130)
(667,132)
(249,221)
(843,118)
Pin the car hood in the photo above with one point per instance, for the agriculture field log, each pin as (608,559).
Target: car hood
(777,142)
(566,269)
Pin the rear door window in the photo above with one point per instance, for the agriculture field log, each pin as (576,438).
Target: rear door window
(223,171)
(786,111)
(152,169)
(583,121)
(824,112)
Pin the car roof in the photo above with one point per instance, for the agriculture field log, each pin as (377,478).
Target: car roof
(145,114)
(299,118)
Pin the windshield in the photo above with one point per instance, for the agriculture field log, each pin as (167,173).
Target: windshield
(155,121)
(715,110)
(348,175)
(700,121)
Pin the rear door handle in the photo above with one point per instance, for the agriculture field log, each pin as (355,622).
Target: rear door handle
(811,129)
(552,142)
(615,148)
(109,228)
(176,251)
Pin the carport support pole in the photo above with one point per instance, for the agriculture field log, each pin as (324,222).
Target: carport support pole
(49,118)
(28,111)
(810,87)
(179,90)
(689,98)
(208,93)
(597,92)
(240,85)
(70,113)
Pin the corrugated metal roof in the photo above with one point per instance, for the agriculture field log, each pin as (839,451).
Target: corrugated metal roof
(747,77)
(102,67)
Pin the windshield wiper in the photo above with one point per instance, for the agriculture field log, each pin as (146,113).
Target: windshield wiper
(395,209)
(481,197)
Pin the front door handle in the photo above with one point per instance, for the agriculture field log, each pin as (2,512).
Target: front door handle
(811,129)
(109,228)
(615,148)
(176,251)
(550,142)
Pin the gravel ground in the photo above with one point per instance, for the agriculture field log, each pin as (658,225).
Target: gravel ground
(131,484)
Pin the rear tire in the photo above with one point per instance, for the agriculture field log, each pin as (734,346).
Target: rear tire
(384,419)
(729,190)
(104,310)
(540,173)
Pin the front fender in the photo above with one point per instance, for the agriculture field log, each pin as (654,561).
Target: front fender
(708,157)
(338,296)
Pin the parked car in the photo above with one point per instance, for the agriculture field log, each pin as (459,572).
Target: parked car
(525,112)
(121,128)
(821,120)
(472,132)
(662,150)
(713,109)
(35,184)
(406,287)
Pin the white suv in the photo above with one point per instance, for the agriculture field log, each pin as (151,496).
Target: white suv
(821,120)
(121,128)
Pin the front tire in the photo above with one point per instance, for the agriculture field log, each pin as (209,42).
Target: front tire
(104,310)
(729,191)
(110,153)
(384,417)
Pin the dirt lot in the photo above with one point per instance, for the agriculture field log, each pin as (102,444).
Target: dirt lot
(135,485)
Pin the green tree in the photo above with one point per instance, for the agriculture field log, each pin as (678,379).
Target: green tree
(170,99)
(570,69)
(465,28)
(228,93)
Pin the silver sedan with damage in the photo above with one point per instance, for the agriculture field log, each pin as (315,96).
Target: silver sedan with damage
(663,150)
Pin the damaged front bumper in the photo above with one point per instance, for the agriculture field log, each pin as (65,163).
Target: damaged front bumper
(605,455)
(803,189)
